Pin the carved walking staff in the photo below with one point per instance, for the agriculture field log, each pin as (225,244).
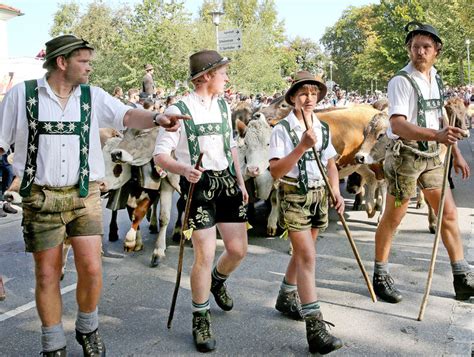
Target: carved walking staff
(342,219)
(184,227)
(438,227)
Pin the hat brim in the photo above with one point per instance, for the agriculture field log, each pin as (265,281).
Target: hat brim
(290,92)
(222,62)
(422,32)
(67,50)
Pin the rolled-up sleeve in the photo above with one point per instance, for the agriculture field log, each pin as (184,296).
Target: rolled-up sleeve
(9,117)
(278,143)
(110,111)
(330,151)
(399,91)
(167,141)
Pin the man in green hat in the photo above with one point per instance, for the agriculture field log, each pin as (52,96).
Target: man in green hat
(416,102)
(220,198)
(54,123)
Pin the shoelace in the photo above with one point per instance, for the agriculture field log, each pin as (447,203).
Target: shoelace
(387,281)
(203,327)
(320,328)
(222,291)
(295,305)
(93,343)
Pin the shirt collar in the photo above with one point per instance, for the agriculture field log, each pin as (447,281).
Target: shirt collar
(43,83)
(410,68)
(295,123)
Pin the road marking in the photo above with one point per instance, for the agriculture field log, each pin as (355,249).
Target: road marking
(32,304)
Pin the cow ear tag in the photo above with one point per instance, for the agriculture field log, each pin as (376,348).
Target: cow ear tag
(248,225)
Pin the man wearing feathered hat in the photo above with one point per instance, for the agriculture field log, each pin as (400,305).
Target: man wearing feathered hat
(54,123)
(220,198)
(415,97)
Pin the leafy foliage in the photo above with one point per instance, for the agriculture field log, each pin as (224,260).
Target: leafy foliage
(366,44)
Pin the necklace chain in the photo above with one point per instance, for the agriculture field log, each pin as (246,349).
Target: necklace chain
(61,97)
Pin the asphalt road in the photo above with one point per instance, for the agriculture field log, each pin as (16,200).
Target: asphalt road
(136,298)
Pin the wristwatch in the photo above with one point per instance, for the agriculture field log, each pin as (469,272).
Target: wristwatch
(155,119)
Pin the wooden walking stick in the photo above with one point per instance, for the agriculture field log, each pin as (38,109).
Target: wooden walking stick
(184,227)
(438,227)
(342,219)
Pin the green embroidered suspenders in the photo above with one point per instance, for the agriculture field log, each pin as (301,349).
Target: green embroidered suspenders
(193,131)
(424,105)
(308,155)
(37,128)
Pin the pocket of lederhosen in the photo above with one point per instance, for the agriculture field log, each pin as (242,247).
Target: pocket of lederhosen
(61,201)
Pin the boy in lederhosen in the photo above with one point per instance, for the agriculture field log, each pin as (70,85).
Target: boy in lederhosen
(304,203)
(220,198)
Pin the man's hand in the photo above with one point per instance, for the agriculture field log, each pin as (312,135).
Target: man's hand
(461,166)
(245,195)
(171,121)
(339,205)
(308,139)
(448,135)
(193,175)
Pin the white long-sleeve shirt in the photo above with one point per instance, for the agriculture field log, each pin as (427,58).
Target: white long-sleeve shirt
(58,155)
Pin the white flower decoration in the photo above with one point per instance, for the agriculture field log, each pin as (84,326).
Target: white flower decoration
(29,171)
(32,102)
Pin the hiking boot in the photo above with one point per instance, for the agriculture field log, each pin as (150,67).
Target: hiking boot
(288,303)
(202,332)
(319,339)
(58,353)
(384,288)
(222,297)
(464,285)
(92,345)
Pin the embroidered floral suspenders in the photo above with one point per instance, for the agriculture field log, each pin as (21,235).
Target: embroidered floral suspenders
(193,131)
(37,128)
(308,155)
(424,105)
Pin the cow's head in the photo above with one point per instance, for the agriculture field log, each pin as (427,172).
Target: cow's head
(276,111)
(136,148)
(242,112)
(257,142)
(372,149)
(116,174)
(455,107)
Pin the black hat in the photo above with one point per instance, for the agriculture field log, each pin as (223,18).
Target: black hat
(62,46)
(419,28)
(203,61)
(304,77)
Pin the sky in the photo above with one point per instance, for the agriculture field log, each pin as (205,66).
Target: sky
(305,18)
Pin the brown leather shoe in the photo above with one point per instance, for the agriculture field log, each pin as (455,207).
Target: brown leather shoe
(2,290)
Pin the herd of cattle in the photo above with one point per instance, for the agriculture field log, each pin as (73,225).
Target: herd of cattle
(357,133)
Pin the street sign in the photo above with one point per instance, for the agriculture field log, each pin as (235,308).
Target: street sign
(230,40)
